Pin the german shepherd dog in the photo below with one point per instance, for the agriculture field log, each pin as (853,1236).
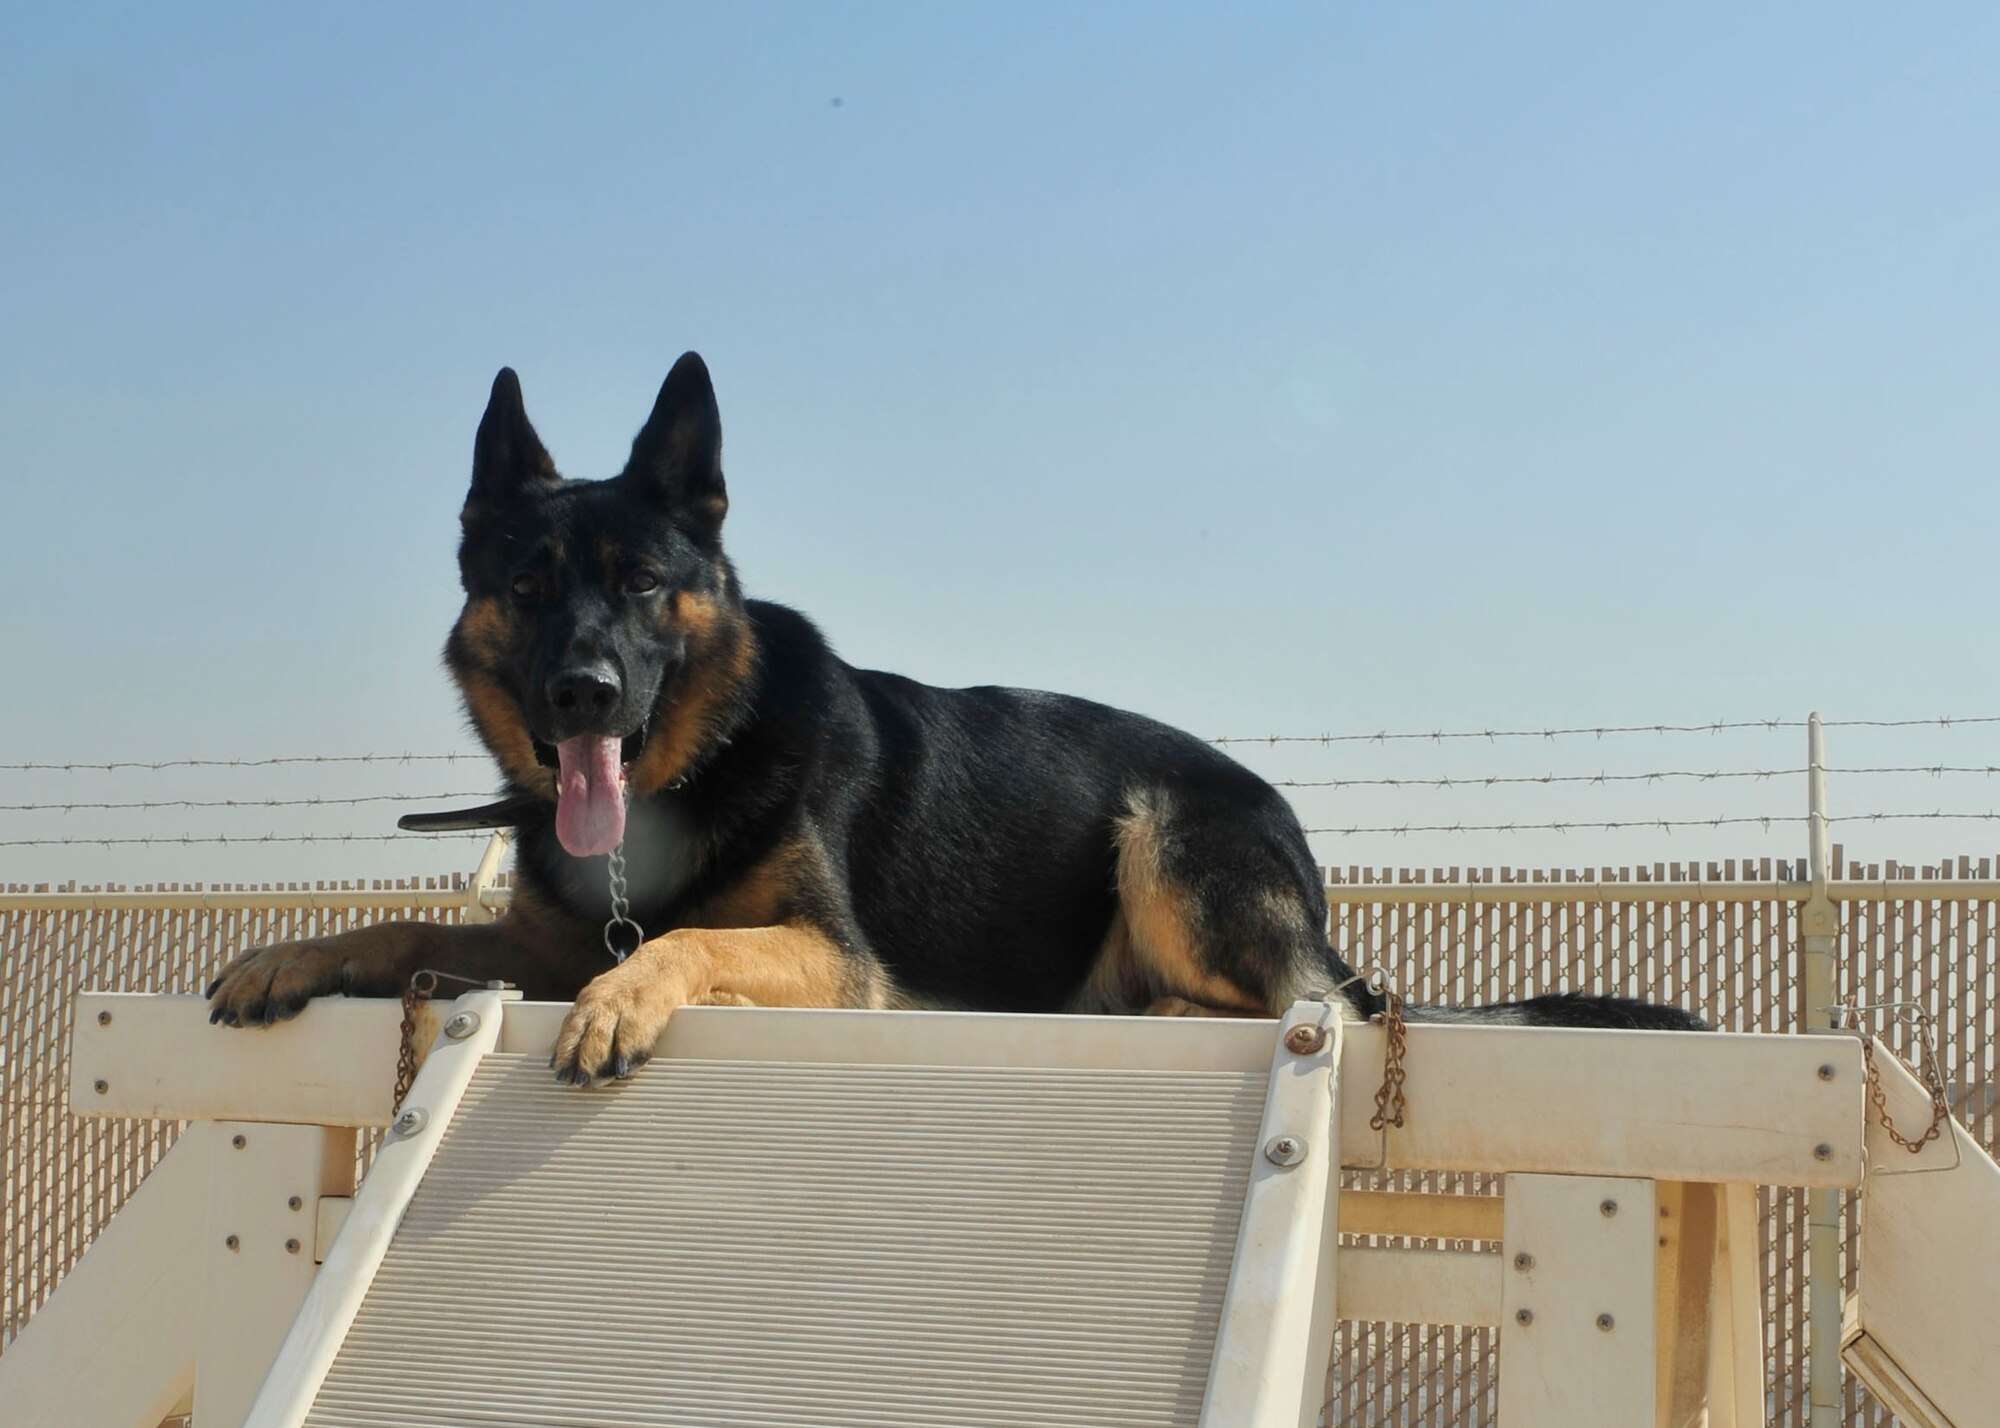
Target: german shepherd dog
(798,832)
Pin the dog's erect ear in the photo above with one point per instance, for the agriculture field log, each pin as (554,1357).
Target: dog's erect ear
(678,453)
(507,457)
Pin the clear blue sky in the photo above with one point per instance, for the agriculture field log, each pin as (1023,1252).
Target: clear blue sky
(1295,368)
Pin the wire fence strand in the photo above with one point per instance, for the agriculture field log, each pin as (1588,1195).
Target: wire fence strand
(169,839)
(241,802)
(1507,780)
(1600,731)
(1665,825)
(156,765)
(1381,736)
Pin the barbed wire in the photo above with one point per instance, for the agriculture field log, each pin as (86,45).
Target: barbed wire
(1938,817)
(1404,782)
(1441,736)
(1667,825)
(155,765)
(1599,731)
(241,802)
(185,838)
(1498,780)
(1647,776)
(1573,825)
(1942,721)
(1382,736)
(1567,825)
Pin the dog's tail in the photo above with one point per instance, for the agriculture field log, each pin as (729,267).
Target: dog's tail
(1567,1009)
(1556,1009)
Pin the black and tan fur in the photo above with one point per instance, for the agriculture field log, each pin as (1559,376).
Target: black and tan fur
(803,833)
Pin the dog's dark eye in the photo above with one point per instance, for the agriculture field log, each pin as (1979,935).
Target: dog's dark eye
(641,582)
(526,586)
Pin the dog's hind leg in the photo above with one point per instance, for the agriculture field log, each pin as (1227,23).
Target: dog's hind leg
(1219,907)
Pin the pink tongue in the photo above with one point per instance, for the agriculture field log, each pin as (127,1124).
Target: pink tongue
(590,805)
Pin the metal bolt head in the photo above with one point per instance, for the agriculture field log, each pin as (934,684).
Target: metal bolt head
(233,1242)
(101,1087)
(239,1141)
(1305,1040)
(1822,1151)
(460,1025)
(1524,1262)
(104,1018)
(1826,1072)
(411,1121)
(1607,1208)
(1284,1150)
(291,1246)
(294,1203)
(1606,1323)
(1524,1317)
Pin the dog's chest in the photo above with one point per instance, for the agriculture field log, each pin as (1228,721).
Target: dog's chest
(662,856)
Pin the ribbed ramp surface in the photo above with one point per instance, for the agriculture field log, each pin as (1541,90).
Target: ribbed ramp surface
(739,1243)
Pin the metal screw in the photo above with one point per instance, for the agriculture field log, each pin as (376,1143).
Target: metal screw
(1305,1040)
(104,1018)
(102,1087)
(1524,1262)
(291,1246)
(1607,1208)
(1826,1072)
(460,1025)
(1524,1317)
(238,1141)
(411,1121)
(294,1203)
(1606,1322)
(233,1242)
(1822,1151)
(1284,1150)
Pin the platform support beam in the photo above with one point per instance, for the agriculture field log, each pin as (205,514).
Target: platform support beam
(264,1186)
(1578,1310)
(115,1345)
(471,1030)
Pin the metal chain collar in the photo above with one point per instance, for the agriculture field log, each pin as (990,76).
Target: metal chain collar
(621,910)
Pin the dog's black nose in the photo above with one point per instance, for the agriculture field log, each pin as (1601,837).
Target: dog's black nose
(585,689)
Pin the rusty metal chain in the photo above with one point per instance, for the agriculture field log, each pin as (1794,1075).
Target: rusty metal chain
(1933,1083)
(422,987)
(1389,1102)
(406,1048)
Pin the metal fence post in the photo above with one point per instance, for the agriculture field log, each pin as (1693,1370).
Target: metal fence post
(1819,925)
(476,909)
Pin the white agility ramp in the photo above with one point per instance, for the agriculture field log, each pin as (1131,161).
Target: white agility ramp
(1923,1328)
(951,1238)
(912,1218)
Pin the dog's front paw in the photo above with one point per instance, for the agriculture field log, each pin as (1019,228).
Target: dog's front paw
(616,1021)
(274,983)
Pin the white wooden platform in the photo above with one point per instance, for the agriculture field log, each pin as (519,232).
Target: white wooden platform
(916,1218)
